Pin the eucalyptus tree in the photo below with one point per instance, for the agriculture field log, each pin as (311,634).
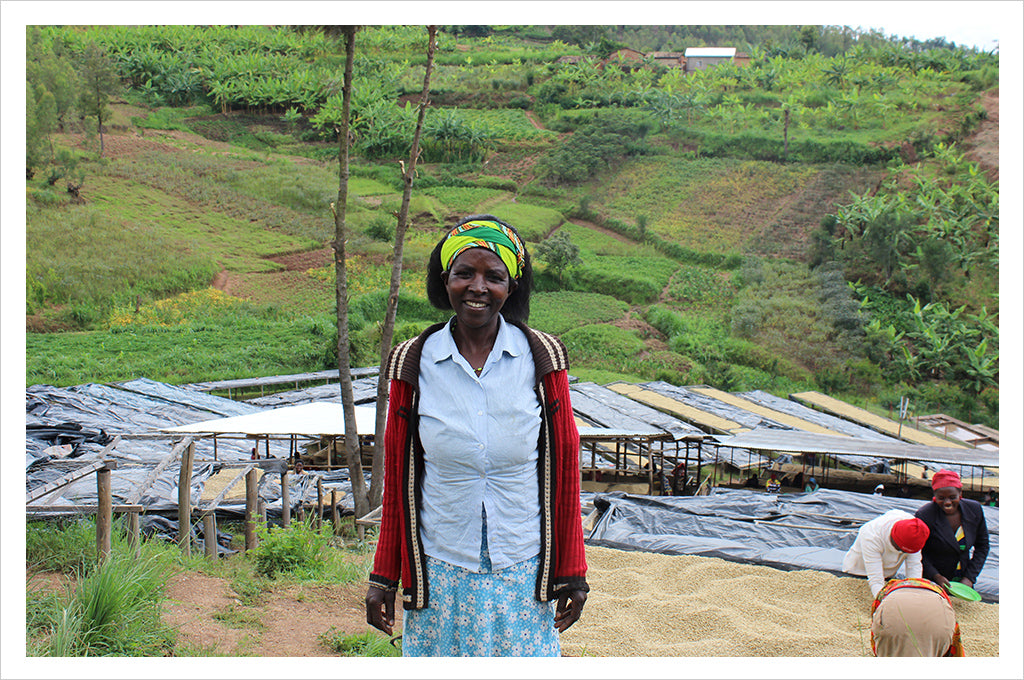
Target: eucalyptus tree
(353,456)
(387,330)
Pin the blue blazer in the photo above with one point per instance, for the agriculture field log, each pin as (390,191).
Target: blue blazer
(941,554)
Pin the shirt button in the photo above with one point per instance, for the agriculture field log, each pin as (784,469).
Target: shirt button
(479,413)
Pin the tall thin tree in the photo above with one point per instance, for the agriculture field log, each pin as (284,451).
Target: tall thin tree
(352,452)
(387,332)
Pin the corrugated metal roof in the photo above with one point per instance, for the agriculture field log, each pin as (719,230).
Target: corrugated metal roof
(710,52)
(806,442)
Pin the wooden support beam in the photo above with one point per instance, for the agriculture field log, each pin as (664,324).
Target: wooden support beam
(79,509)
(215,503)
(185,500)
(142,488)
(104,514)
(319,504)
(210,533)
(286,505)
(134,534)
(250,509)
(40,491)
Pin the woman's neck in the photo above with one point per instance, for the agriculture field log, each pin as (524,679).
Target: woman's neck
(475,344)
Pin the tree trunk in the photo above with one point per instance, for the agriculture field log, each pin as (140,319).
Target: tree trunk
(352,453)
(387,332)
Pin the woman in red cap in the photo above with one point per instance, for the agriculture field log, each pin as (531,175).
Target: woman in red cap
(885,544)
(957,543)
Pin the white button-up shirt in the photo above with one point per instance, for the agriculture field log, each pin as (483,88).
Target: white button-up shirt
(479,435)
(873,554)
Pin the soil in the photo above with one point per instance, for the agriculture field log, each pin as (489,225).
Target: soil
(640,605)
(286,622)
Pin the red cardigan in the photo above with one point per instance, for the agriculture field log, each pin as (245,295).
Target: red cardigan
(400,557)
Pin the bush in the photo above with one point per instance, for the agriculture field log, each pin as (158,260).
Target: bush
(299,548)
(381,228)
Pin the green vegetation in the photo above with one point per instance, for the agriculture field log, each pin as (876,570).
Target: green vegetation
(718,215)
(108,609)
(360,644)
(114,607)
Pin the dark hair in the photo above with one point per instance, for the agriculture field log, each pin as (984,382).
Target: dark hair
(517,305)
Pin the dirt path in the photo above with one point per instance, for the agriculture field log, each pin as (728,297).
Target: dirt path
(213,619)
(640,605)
(983,146)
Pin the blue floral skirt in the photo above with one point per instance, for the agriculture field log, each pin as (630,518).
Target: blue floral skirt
(493,613)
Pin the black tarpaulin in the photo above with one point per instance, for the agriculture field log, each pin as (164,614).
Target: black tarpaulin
(785,531)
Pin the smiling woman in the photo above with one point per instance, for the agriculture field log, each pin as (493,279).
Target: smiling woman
(481,501)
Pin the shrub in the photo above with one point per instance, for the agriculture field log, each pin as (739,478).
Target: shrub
(299,548)
(381,228)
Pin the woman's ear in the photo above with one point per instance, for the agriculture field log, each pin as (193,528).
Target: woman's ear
(444,277)
(512,285)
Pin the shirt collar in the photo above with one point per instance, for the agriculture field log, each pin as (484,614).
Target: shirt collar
(504,343)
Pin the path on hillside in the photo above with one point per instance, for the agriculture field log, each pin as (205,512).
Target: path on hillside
(982,147)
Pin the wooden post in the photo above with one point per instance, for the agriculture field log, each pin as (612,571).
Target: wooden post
(286,506)
(185,499)
(335,515)
(250,510)
(134,541)
(261,510)
(319,504)
(104,514)
(210,533)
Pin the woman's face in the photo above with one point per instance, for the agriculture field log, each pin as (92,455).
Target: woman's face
(948,498)
(478,284)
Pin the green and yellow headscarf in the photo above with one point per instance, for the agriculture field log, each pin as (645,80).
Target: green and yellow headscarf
(488,234)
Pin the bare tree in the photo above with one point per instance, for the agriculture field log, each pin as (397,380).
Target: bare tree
(387,332)
(352,452)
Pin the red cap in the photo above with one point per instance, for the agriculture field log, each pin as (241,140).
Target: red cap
(944,478)
(909,535)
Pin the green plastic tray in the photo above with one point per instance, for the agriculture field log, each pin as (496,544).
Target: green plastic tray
(963,591)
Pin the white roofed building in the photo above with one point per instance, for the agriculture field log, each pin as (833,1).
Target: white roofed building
(700,58)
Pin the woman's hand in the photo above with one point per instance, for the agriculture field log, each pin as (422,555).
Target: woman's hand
(941,580)
(570,606)
(967,582)
(380,608)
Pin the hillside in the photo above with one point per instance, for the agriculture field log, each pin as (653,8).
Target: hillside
(197,247)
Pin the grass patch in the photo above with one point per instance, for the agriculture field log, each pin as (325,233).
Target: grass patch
(466,200)
(564,310)
(368,644)
(113,611)
(233,617)
(592,241)
(533,222)
(233,342)
(707,205)
(637,280)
